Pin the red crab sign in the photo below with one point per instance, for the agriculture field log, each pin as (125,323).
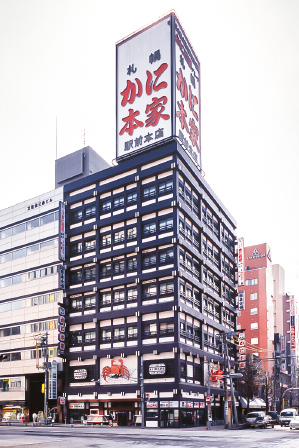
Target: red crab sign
(116,370)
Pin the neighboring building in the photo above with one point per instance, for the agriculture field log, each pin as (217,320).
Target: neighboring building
(29,292)
(150,272)
(257,313)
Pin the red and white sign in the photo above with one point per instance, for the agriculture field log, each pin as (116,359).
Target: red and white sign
(158,80)
(241,279)
(208,400)
(242,365)
(61,400)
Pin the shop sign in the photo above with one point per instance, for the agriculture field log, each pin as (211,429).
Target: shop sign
(256,254)
(201,404)
(80,374)
(39,204)
(164,404)
(196,404)
(61,401)
(61,231)
(241,301)
(76,406)
(157,369)
(173,404)
(53,381)
(158,89)
(152,404)
(241,262)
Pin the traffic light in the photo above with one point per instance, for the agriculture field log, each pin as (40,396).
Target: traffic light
(3,357)
(216,375)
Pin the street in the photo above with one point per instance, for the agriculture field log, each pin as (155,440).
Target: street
(93,437)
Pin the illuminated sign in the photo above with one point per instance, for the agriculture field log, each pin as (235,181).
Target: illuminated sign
(157,369)
(158,86)
(61,231)
(80,374)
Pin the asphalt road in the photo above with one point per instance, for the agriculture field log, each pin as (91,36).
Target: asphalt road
(99,437)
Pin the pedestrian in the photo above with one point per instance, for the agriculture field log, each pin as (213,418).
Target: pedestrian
(110,419)
(34,418)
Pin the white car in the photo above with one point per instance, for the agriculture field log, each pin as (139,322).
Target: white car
(294,423)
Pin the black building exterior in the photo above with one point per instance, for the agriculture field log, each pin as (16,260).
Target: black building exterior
(150,283)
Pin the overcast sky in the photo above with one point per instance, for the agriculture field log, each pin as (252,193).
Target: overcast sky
(57,59)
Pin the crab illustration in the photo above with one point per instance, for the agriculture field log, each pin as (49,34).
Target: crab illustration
(116,370)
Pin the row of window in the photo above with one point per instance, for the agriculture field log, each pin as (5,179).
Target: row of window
(20,278)
(30,301)
(251,282)
(32,224)
(25,251)
(121,200)
(29,328)
(28,354)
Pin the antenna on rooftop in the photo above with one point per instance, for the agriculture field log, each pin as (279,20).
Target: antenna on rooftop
(56,137)
(83,136)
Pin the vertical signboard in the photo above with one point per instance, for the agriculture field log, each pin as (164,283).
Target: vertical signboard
(158,85)
(61,231)
(241,301)
(53,381)
(292,325)
(241,280)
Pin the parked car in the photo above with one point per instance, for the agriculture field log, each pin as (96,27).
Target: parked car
(274,415)
(252,416)
(287,415)
(294,423)
(263,422)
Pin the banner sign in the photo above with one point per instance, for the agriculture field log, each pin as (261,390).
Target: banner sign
(61,231)
(158,90)
(53,381)
(241,280)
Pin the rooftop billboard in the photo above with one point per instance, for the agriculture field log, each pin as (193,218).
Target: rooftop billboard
(157,90)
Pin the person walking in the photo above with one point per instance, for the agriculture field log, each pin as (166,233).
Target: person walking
(34,418)
(110,419)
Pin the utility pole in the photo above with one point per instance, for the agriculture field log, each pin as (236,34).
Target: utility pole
(142,393)
(209,396)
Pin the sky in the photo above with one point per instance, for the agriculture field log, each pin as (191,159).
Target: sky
(57,60)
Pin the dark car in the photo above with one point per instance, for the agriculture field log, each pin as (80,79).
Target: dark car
(274,415)
(263,422)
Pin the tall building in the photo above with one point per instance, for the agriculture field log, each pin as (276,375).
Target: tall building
(150,272)
(29,293)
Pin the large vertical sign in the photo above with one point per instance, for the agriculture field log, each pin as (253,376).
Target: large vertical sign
(53,381)
(61,231)
(241,280)
(157,98)
(292,325)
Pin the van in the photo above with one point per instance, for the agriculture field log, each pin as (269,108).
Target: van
(252,416)
(286,416)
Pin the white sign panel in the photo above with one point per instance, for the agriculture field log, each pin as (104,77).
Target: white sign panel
(119,370)
(53,381)
(158,80)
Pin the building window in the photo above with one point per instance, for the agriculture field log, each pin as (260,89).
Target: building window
(165,224)
(118,297)
(149,329)
(149,228)
(254,340)
(76,339)
(90,212)
(76,304)
(132,294)
(76,249)
(149,192)
(105,270)
(253,296)
(165,187)
(253,311)
(119,333)
(166,288)
(250,282)
(132,332)
(119,202)
(105,335)
(149,260)
(119,237)
(89,274)
(149,290)
(90,302)
(132,264)
(166,328)
(105,206)
(118,267)
(90,337)
(76,277)
(76,216)
(105,240)
(254,326)
(131,233)
(132,198)
(166,256)
(105,299)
